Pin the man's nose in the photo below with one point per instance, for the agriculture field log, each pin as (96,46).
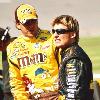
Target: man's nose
(55,35)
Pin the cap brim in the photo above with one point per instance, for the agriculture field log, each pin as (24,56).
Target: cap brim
(27,17)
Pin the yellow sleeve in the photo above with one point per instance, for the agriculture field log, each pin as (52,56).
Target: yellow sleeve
(56,51)
(16,83)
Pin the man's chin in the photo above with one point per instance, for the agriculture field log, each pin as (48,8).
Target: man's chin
(57,45)
(29,35)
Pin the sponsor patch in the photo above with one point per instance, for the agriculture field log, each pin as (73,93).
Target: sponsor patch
(45,47)
(36,45)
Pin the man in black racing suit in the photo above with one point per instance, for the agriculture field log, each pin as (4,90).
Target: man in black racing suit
(75,70)
(76,74)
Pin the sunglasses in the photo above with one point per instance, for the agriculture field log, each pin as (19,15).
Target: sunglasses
(30,22)
(60,31)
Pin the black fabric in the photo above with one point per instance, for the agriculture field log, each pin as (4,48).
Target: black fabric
(76,56)
(6,85)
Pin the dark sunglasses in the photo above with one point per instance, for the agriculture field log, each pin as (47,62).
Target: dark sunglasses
(30,22)
(60,31)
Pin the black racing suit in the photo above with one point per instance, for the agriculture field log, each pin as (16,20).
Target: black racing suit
(75,74)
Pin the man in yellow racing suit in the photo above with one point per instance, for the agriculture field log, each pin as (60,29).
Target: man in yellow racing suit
(33,70)
(33,67)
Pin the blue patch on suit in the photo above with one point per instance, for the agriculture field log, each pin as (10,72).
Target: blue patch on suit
(39,71)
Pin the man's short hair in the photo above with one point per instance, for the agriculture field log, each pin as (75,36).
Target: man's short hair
(69,21)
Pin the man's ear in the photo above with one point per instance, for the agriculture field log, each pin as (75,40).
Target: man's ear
(18,26)
(73,35)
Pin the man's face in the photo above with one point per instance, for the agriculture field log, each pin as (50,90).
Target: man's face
(62,38)
(29,29)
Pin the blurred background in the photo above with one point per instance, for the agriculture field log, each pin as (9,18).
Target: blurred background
(87,12)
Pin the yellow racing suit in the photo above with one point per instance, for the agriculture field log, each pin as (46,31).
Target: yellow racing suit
(32,66)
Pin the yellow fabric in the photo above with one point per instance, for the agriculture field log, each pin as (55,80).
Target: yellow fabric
(25,12)
(32,65)
(61,97)
(98,80)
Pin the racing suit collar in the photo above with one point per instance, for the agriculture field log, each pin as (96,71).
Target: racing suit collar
(63,51)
